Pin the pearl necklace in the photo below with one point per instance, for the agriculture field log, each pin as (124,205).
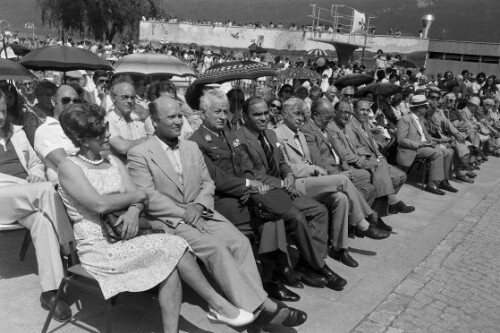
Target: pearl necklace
(93,162)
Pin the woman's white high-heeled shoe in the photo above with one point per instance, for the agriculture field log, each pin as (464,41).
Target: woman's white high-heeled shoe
(244,318)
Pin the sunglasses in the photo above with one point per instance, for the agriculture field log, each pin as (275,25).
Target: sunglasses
(26,84)
(103,81)
(434,97)
(287,91)
(276,106)
(348,95)
(67,100)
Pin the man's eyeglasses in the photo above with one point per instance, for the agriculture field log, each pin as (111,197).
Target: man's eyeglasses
(345,114)
(489,105)
(126,97)
(276,106)
(103,81)
(348,95)
(450,100)
(67,100)
(26,84)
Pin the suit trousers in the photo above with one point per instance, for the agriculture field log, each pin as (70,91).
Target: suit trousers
(227,255)
(440,162)
(362,181)
(315,216)
(345,202)
(39,208)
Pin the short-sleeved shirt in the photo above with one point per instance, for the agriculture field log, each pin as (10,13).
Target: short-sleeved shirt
(129,130)
(50,136)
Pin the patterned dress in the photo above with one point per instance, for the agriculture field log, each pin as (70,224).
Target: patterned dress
(133,265)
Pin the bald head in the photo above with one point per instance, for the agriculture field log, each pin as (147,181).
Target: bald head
(65,95)
(322,112)
(167,117)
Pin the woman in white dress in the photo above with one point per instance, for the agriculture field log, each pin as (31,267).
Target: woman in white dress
(91,185)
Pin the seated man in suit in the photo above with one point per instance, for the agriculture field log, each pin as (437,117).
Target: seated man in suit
(443,132)
(181,201)
(211,138)
(332,158)
(347,205)
(261,159)
(26,197)
(415,142)
(365,154)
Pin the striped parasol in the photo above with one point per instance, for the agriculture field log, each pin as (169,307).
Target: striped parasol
(317,53)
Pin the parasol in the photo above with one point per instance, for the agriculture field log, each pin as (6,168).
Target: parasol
(10,70)
(227,71)
(317,53)
(234,70)
(404,63)
(152,64)
(298,73)
(354,80)
(379,89)
(63,59)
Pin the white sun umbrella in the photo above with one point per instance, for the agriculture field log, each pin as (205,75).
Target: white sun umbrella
(152,64)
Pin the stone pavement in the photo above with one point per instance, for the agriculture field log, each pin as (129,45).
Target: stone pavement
(456,288)
(403,283)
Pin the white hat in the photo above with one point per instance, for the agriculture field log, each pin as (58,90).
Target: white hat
(418,100)
(74,74)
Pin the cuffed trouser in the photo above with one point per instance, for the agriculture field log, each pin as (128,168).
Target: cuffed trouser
(39,208)
(440,162)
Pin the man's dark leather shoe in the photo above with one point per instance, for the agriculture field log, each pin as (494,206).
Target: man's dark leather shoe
(372,232)
(400,207)
(381,225)
(343,256)
(279,292)
(433,189)
(335,281)
(62,312)
(471,174)
(310,278)
(445,185)
(294,317)
(465,179)
(287,277)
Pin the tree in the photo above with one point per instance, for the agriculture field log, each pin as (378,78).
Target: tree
(102,19)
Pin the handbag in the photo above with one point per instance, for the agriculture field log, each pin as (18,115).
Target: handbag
(113,233)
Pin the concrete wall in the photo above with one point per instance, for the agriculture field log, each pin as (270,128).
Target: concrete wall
(239,37)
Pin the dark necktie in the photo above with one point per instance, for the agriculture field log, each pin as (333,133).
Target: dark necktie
(272,168)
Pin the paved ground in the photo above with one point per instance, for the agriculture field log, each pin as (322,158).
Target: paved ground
(456,288)
(438,271)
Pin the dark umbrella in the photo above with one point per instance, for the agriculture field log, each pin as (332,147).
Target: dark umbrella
(19,50)
(379,89)
(354,80)
(234,70)
(404,63)
(298,73)
(227,71)
(63,59)
(10,70)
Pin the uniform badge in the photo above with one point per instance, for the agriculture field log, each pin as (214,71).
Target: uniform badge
(236,143)
(208,138)
(278,145)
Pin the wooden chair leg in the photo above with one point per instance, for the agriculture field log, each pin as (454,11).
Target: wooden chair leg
(54,305)
(25,245)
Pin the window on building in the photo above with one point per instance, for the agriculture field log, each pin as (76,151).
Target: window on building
(471,58)
(436,55)
(490,60)
(452,56)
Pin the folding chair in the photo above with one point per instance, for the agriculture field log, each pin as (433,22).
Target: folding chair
(27,236)
(76,275)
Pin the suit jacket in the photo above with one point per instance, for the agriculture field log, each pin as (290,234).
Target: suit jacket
(27,157)
(362,140)
(320,148)
(300,160)
(409,139)
(223,167)
(248,149)
(151,170)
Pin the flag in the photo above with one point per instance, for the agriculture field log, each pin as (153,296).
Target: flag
(358,21)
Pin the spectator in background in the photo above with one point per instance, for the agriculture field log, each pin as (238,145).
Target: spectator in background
(15,105)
